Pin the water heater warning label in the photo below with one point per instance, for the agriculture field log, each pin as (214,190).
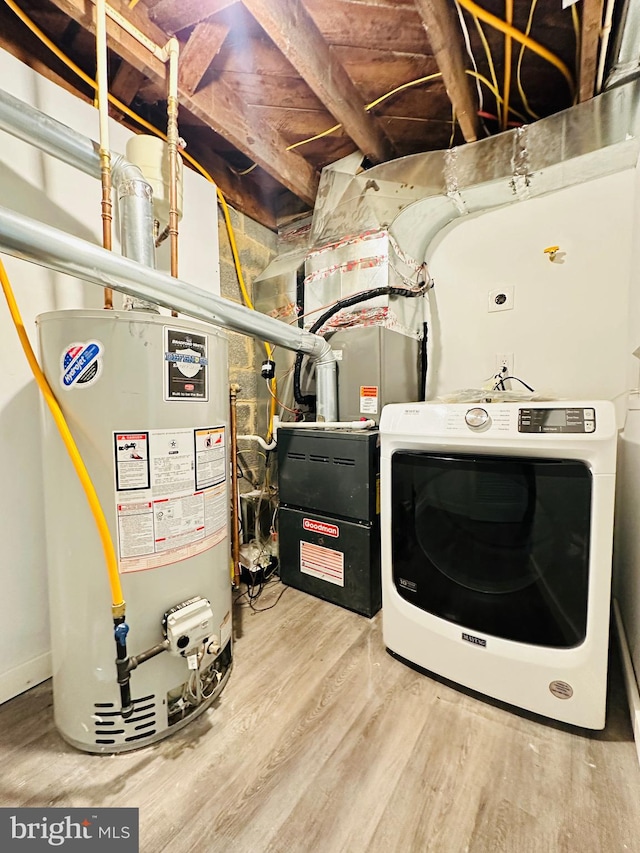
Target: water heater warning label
(171,496)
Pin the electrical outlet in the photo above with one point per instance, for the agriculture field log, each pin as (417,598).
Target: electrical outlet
(501,299)
(504,364)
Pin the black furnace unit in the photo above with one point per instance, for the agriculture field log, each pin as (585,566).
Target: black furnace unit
(329,530)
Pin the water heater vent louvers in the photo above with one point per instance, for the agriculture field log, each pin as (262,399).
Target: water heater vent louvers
(107,736)
(139,737)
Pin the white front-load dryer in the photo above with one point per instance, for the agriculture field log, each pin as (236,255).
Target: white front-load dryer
(497,531)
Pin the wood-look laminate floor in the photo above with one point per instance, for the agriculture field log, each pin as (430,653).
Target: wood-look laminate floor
(323,743)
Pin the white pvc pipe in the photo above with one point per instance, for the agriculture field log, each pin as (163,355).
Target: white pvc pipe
(277,424)
(101,75)
(271,446)
(173,49)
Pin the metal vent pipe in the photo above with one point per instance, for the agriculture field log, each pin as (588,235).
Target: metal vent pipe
(38,243)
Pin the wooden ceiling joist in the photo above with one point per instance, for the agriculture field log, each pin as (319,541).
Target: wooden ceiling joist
(446,42)
(173,17)
(589,42)
(216,105)
(197,55)
(295,34)
(126,83)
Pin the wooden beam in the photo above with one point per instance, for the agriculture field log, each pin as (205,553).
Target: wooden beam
(294,32)
(589,41)
(205,42)
(445,39)
(217,106)
(172,16)
(126,83)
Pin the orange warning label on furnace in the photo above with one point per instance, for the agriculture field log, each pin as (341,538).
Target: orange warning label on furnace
(369,399)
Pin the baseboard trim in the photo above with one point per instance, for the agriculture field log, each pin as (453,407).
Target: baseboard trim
(630,681)
(25,676)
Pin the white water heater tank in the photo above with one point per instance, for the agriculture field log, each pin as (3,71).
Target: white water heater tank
(146,399)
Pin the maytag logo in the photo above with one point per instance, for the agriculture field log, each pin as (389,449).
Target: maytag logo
(475,641)
(33,829)
(321,527)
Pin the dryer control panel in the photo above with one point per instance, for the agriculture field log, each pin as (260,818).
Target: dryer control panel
(574,420)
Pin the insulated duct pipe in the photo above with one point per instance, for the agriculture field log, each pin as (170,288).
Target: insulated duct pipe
(41,244)
(135,199)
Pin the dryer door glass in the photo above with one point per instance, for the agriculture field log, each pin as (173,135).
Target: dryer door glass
(497,545)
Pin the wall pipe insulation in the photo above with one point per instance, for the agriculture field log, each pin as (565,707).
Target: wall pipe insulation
(41,244)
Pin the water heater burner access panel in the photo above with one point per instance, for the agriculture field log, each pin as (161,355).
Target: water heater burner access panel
(557,420)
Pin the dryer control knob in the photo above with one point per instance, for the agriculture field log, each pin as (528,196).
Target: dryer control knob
(477,418)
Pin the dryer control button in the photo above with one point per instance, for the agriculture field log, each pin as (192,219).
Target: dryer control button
(477,418)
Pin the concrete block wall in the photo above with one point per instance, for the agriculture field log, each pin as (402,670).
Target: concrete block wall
(256,248)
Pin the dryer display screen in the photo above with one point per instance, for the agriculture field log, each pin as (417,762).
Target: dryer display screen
(557,420)
(498,545)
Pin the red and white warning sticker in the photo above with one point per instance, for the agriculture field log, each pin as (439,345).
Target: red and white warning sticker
(323,563)
(369,399)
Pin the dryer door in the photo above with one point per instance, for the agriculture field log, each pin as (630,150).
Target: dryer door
(499,545)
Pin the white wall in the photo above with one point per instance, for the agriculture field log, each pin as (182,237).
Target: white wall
(568,327)
(41,187)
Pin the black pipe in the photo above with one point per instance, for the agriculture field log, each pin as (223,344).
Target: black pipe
(424,361)
(150,653)
(338,306)
(120,630)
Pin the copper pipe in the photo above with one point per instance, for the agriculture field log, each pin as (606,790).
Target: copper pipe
(235,514)
(102,93)
(107,214)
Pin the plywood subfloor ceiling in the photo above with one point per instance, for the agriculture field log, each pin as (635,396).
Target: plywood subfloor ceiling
(260,78)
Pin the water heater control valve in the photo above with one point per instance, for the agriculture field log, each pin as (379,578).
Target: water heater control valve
(187,625)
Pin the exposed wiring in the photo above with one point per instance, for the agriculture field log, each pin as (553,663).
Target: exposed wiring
(492,69)
(467,41)
(499,386)
(508,9)
(368,107)
(495,92)
(154,130)
(533,45)
(523,96)
(279,402)
(80,468)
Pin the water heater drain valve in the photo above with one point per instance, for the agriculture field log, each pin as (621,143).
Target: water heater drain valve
(187,625)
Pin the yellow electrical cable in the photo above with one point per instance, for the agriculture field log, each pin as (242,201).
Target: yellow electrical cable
(368,107)
(532,9)
(508,8)
(80,468)
(495,92)
(535,46)
(139,120)
(492,69)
